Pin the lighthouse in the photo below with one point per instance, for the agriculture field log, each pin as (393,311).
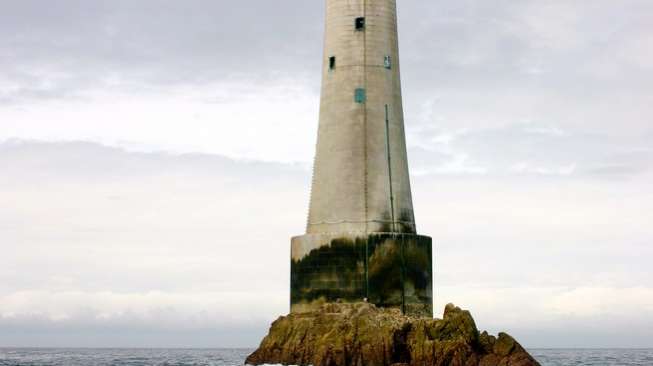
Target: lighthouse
(361,242)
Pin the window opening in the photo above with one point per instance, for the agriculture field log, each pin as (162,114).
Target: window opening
(387,62)
(360,96)
(332,62)
(360,23)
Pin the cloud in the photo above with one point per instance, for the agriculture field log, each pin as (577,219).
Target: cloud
(524,310)
(529,148)
(528,135)
(239,119)
(540,315)
(153,309)
(100,240)
(113,72)
(159,42)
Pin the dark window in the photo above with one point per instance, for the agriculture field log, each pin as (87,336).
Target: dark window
(359,96)
(360,23)
(387,62)
(332,62)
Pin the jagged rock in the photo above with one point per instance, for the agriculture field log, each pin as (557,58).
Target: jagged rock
(361,334)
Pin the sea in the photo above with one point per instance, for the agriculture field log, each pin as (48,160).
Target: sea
(236,357)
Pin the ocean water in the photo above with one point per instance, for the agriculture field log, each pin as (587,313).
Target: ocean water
(236,357)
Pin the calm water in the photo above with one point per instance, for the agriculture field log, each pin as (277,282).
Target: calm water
(235,357)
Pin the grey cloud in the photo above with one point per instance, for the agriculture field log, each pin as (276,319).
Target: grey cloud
(201,38)
(136,44)
(485,68)
(567,47)
(39,161)
(102,240)
(528,149)
(46,333)
(567,63)
(506,43)
(528,122)
(65,182)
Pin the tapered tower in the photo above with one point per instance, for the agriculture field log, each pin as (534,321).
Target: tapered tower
(361,241)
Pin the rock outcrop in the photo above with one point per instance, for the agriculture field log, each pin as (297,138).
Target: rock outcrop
(361,334)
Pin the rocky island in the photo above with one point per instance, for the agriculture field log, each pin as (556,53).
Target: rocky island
(360,334)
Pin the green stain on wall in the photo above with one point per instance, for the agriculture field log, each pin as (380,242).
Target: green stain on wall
(387,269)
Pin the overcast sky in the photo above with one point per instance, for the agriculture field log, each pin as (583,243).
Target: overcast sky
(155,161)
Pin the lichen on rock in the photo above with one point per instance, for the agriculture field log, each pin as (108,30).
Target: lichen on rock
(360,334)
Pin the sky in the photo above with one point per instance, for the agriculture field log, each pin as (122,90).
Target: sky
(155,159)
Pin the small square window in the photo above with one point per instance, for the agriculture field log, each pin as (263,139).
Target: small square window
(387,62)
(360,23)
(332,62)
(360,96)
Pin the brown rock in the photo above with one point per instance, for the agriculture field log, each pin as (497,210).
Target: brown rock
(487,342)
(361,334)
(504,345)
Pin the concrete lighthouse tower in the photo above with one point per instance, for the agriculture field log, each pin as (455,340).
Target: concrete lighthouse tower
(361,241)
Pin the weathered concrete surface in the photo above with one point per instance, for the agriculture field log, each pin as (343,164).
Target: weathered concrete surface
(363,335)
(351,190)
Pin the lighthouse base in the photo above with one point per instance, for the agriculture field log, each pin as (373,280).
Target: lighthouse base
(387,269)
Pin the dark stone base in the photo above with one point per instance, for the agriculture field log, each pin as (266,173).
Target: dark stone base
(389,270)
